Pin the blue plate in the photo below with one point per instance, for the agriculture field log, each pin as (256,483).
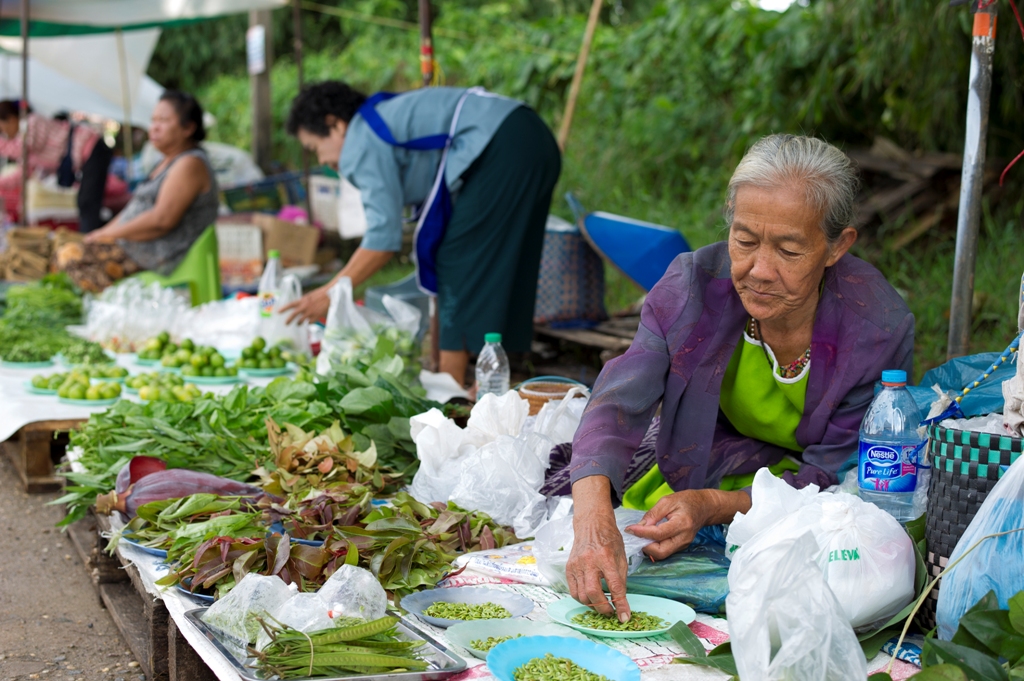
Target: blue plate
(278,528)
(183,588)
(506,657)
(418,602)
(159,553)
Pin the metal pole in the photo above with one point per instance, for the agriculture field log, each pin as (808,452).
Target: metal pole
(577,77)
(426,44)
(972,180)
(24,111)
(126,99)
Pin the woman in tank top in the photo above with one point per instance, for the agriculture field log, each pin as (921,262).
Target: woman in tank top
(166,214)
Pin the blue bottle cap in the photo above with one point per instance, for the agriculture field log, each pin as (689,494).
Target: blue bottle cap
(894,376)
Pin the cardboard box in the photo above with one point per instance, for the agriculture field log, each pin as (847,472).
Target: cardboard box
(296,243)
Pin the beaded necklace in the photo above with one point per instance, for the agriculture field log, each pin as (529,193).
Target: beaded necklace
(793,369)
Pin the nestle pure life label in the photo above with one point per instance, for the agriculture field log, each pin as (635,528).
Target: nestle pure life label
(888,467)
(267,302)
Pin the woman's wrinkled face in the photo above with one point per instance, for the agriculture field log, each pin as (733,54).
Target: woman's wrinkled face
(778,251)
(327,149)
(165,129)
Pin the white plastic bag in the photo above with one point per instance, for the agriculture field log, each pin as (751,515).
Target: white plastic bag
(354,592)
(866,557)
(784,622)
(351,331)
(228,325)
(553,544)
(771,499)
(125,316)
(303,612)
(275,329)
(996,564)
(255,597)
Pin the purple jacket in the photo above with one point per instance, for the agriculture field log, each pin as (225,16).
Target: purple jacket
(689,327)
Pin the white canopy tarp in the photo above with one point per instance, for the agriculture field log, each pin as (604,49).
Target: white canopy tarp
(53,92)
(126,13)
(93,60)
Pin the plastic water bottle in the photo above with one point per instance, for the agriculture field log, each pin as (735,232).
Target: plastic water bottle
(492,372)
(268,293)
(889,448)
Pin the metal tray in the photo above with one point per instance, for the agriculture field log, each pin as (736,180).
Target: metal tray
(443,663)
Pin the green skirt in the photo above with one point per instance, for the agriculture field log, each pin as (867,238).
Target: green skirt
(489,258)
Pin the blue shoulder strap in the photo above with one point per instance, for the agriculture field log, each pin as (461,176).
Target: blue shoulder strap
(369,113)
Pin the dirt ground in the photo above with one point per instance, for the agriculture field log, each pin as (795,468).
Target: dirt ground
(52,625)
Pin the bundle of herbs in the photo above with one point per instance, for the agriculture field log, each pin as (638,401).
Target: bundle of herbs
(32,328)
(353,647)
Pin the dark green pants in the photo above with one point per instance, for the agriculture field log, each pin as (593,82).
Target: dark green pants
(489,259)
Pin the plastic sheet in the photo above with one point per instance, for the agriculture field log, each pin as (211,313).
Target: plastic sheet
(993,566)
(784,621)
(697,575)
(126,315)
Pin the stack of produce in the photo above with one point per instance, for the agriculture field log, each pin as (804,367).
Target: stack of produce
(103,371)
(77,386)
(259,356)
(32,328)
(80,351)
(27,257)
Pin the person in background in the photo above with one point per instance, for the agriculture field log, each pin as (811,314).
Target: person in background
(167,212)
(761,351)
(484,201)
(87,158)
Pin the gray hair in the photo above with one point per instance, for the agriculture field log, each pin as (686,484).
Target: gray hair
(828,177)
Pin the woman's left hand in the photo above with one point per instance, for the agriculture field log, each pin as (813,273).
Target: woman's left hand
(98,236)
(684,514)
(309,307)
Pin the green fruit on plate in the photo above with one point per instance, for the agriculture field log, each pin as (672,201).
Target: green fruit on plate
(206,371)
(265,364)
(187,344)
(163,337)
(220,371)
(93,393)
(189,370)
(198,360)
(76,392)
(216,360)
(278,363)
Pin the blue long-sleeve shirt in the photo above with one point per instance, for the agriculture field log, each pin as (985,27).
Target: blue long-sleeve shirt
(390,178)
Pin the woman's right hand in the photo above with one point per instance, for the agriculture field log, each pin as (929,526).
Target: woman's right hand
(597,550)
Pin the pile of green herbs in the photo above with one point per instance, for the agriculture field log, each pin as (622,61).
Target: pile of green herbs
(227,435)
(407,545)
(32,328)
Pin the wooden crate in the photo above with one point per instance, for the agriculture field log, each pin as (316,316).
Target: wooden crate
(35,449)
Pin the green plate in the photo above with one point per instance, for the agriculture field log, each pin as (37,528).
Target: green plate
(147,362)
(88,403)
(37,391)
(117,379)
(26,365)
(213,380)
(266,373)
(562,612)
(466,632)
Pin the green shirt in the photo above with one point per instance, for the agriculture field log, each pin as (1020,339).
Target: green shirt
(758,403)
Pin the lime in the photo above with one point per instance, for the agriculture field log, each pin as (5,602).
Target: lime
(216,360)
(274,352)
(54,382)
(187,344)
(110,391)
(232,371)
(247,353)
(206,371)
(198,360)
(39,382)
(220,371)
(167,361)
(266,364)
(93,393)
(146,392)
(76,392)
(63,391)
(188,370)
(163,337)
(259,343)
(278,363)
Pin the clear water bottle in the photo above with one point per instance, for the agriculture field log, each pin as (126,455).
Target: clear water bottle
(269,291)
(890,447)
(492,372)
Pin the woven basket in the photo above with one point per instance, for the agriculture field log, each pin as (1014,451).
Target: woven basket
(966,465)
(539,392)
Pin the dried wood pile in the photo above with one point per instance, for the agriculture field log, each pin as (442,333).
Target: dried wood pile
(27,256)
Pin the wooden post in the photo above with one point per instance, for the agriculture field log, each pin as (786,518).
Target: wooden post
(577,77)
(260,59)
(300,78)
(972,179)
(126,99)
(426,44)
(24,112)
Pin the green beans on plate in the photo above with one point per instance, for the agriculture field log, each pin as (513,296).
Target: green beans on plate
(485,644)
(551,668)
(640,621)
(467,611)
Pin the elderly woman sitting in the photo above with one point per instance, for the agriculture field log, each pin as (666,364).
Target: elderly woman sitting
(760,351)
